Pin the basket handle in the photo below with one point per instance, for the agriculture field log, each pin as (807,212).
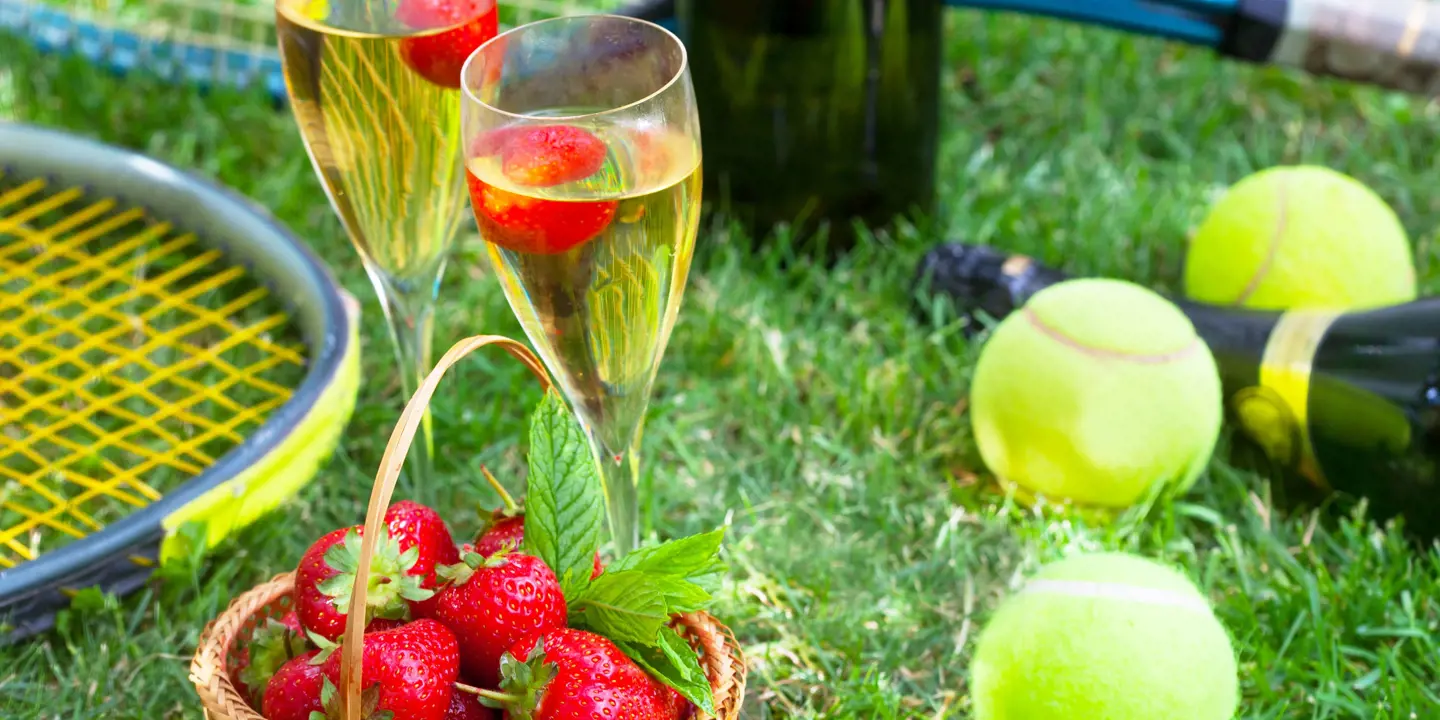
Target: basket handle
(390,464)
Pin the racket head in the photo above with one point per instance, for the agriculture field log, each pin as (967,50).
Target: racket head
(275,458)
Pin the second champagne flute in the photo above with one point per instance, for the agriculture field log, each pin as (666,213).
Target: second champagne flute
(375,88)
(583,164)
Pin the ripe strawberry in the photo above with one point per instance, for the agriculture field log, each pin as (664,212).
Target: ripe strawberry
(493,602)
(678,707)
(383,624)
(326,575)
(505,534)
(440,57)
(545,155)
(272,645)
(588,677)
(464,706)
(415,526)
(532,225)
(294,692)
(504,527)
(409,671)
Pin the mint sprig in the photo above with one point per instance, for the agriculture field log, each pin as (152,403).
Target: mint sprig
(634,605)
(564,505)
(675,663)
(695,558)
(633,602)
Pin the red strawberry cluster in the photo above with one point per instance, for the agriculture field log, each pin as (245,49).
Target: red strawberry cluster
(539,156)
(442,620)
(520,619)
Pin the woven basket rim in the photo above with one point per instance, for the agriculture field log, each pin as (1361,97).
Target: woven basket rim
(722,658)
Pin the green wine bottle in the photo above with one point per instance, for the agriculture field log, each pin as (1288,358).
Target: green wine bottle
(1349,401)
(817,113)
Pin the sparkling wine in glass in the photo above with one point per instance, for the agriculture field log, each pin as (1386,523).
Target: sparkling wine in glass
(375,88)
(583,164)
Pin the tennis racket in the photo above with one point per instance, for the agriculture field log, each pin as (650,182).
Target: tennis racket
(1388,43)
(170,358)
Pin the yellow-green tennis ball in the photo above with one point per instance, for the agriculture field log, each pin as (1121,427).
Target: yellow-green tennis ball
(1094,392)
(1300,237)
(1107,636)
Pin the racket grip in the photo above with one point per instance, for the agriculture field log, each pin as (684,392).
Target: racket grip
(1393,44)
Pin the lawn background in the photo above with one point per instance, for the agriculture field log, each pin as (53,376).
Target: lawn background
(807,407)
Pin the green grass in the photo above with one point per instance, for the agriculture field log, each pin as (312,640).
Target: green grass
(809,409)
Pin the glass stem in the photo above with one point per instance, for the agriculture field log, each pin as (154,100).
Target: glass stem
(621,475)
(411,318)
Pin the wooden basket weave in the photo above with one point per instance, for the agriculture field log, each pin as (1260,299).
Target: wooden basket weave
(223,638)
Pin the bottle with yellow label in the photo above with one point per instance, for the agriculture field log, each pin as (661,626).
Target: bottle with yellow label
(1349,401)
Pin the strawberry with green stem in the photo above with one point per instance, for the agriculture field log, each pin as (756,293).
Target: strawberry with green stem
(273,644)
(491,602)
(294,692)
(406,673)
(419,527)
(501,529)
(325,579)
(576,674)
(402,570)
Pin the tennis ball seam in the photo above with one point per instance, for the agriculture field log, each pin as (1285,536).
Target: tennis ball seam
(1059,336)
(1282,222)
(1115,591)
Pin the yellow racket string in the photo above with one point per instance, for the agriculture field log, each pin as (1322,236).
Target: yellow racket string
(132,356)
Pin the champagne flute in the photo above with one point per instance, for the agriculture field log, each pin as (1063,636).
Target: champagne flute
(375,88)
(583,159)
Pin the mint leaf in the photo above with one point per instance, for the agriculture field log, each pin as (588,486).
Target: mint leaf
(695,558)
(674,663)
(564,504)
(681,596)
(638,595)
(633,605)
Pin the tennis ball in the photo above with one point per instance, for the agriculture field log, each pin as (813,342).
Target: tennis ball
(1094,392)
(1105,636)
(1300,237)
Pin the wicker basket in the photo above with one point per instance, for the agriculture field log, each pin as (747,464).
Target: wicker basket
(222,639)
